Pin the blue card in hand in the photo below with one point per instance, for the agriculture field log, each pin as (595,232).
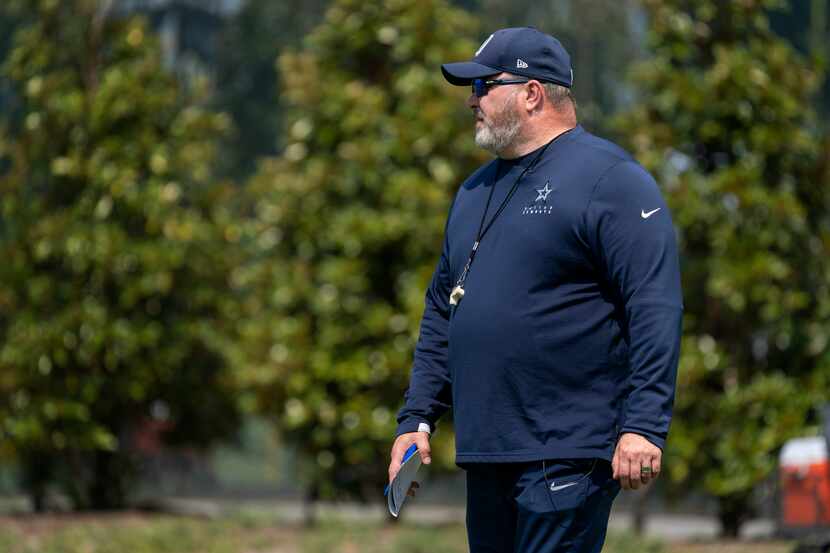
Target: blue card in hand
(396,491)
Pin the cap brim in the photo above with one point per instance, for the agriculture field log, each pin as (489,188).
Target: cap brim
(462,73)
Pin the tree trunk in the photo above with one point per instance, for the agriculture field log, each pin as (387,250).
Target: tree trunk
(37,497)
(74,483)
(640,508)
(309,505)
(734,510)
(108,487)
(37,474)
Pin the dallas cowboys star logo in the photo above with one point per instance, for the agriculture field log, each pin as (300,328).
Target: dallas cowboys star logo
(543,193)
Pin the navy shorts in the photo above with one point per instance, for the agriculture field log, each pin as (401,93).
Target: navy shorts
(553,506)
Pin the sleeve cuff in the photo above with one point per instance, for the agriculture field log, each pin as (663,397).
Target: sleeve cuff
(650,436)
(413,426)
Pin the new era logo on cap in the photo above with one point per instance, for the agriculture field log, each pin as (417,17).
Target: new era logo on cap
(522,51)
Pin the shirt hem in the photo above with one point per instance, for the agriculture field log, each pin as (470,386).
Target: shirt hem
(606,453)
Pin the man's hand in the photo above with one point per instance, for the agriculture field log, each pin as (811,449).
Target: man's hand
(402,443)
(632,454)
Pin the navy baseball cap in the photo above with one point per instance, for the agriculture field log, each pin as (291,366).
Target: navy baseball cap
(521,51)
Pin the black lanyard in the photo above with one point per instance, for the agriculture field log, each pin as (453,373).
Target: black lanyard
(458,291)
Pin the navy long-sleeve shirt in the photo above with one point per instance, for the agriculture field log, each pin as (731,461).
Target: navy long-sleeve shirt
(568,333)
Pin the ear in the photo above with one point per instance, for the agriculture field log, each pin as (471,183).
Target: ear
(535,96)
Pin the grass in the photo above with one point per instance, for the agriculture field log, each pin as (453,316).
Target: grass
(373,538)
(140,533)
(724,547)
(136,534)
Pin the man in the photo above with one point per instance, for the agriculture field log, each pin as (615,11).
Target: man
(552,322)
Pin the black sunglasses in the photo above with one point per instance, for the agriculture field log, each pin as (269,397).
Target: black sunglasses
(480,86)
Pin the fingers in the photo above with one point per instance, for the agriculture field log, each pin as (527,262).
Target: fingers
(411,491)
(398,449)
(422,441)
(656,466)
(635,476)
(402,443)
(652,462)
(647,470)
(634,453)
(625,471)
(394,467)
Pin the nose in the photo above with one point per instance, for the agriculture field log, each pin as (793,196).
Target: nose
(472,101)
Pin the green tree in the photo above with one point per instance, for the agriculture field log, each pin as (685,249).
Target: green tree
(725,122)
(347,230)
(806,26)
(247,83)
(116,252)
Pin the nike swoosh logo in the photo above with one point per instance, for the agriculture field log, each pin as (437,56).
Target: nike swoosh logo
(554,487)
(645,215)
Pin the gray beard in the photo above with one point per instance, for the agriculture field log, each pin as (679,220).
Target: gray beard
(499,136)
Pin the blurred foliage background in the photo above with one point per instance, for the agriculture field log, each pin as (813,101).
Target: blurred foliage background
(213,211)
(726,123)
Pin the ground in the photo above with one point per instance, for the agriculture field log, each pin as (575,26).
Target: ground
(147,533)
